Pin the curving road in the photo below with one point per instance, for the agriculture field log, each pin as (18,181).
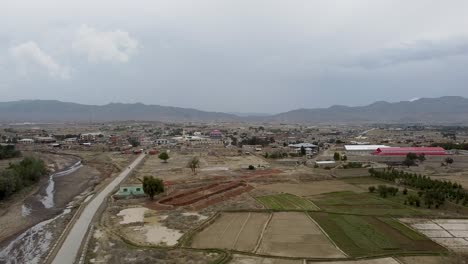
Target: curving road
(70,248)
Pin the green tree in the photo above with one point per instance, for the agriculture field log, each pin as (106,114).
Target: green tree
(303,151)
(193,164)
(164,156)
(421,157)
(152,186)
(409,162)
(448,160)
(134,142)
(336,156)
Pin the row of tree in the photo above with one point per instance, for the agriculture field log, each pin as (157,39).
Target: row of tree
(8,152)
(434,192)
(20,175)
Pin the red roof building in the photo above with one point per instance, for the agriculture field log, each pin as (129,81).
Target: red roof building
(403,151)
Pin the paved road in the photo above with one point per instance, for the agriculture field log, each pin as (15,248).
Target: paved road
(69,249)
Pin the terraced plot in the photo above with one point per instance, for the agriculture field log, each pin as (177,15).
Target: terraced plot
(294,234)
(287,234)
(286,201)
(369,235)
(239,231)
(452,233)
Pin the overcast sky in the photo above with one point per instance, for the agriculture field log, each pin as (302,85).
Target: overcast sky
(233,56)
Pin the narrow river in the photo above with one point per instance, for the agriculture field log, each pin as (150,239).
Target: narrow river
(34,243)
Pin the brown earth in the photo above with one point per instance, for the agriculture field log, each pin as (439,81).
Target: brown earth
(239,231)
(294,234)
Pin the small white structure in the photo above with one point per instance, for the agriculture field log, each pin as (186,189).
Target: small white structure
(26,141)
(325,163)
(362,149)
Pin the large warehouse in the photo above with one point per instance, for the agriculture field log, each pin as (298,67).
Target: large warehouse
(362,149)
(403,151)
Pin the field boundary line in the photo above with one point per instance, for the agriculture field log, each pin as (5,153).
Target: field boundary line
(227,227)
(262,233)
(325,233)
(240,231)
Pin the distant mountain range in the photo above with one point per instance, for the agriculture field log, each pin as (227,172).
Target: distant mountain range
(442,110)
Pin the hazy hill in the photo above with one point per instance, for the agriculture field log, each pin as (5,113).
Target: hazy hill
(448,110)
(56,111)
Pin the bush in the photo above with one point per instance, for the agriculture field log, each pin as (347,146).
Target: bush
(251,167)
(8,151)
(352,165)
(405,191)
(20,175)
(371,189)
(383,191)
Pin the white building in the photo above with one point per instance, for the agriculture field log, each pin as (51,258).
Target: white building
(161,141)
(362,149)
(26,141)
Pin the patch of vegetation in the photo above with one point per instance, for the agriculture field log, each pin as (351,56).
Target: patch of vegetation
(152,186)
(286,201)
(352,165)
(8,152)
(365,204)
(434,192)
(362,236)
(164,156)
(20,175)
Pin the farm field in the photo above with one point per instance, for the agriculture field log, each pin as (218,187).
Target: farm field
(286,234)
(294,234)
(364,261)
(370,235)
(308,189)
(242,259)
(286,201)
(423,260)
(452,233)
(366,204)
(238,231)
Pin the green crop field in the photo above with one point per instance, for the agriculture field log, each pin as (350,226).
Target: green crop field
(366,204)
(286,201)
(361,236)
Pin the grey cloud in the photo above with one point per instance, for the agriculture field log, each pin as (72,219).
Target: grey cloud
(421,50)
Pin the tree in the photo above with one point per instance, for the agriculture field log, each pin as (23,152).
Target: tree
(134,142)
(371,189)
(448,160)
(164,156)
(412,156)
(382,189)
(152,186)
(193,164)
(303,151)
(421,157)
(409,162)
(336,156)
(344,158)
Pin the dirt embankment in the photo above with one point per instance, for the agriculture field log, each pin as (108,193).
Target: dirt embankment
(26,208)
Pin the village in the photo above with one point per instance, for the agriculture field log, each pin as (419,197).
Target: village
(247,193)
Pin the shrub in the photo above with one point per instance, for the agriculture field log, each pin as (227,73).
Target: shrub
(371,189)
(251,167)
